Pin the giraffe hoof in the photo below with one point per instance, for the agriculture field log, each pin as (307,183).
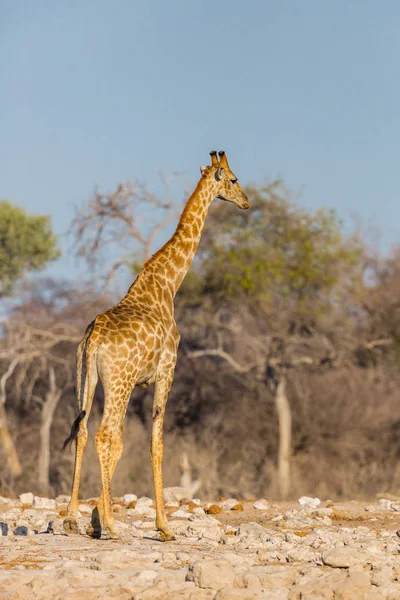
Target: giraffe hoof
(167,537)
(70,526)
(112,534)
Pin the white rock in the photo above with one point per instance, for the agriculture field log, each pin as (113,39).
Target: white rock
(182,556)
(308,502)
(149,525)
(122,559)
(144,501)
(181,514)
(241,594)
(199,511)
(47,503)
(251,529)
(205,529)
(229,503)
(64,499)
(84,509)
(144,578)
(26,498)
(385,503)
(343,557)
(128,498)
(261,505)
(212,574)
(142,510)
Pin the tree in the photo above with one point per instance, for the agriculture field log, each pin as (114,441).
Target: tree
(280,277)
(126,223)
(277,254)
(26,244)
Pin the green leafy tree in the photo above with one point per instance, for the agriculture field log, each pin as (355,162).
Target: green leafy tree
(26,244)
(276,254)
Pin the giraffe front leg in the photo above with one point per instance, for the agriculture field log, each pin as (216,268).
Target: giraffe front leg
(157,453)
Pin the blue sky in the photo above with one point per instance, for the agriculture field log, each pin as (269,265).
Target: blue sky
(95,92)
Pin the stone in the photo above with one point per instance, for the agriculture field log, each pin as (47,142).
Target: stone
(144,578)
(46,503)
(3,528)
(144,501)
(212,574)
(21,530)
(344,557)
(62,499)
(198,511)
(261,505)
(385,503)
(143,510)
(155,592)
(213,509)
(360,579)
(84,509)
(303,555)
(116,560)
(26,498)
(228,503)
(308,502)
(128,498)
(321,588)
(181,514)
(205,529)
(234,594)
(183,556)
(251,528)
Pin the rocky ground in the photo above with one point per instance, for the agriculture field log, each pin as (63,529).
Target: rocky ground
(305,550)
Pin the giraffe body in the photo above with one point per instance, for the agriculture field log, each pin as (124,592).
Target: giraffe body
(135,343)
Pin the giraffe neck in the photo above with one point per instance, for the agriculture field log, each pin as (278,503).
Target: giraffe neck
(170,264)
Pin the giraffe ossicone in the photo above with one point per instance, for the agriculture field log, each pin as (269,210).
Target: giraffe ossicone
(135,343)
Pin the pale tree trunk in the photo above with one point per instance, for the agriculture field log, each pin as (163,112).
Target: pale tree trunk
(285,437)
(8,445)
(53,395)
(187,482)
(6,440)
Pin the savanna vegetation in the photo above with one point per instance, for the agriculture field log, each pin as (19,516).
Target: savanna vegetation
(288,370)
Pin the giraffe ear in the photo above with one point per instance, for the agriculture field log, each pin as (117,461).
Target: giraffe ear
(203,171)
(218,174)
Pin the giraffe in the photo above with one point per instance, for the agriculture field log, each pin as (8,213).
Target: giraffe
(135,343)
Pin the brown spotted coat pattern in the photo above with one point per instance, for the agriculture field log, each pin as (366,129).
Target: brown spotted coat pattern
(135,343)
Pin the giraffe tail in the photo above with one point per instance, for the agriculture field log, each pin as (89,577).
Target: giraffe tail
(81,382)
(74,430)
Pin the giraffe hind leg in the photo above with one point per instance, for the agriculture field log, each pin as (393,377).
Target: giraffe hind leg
(95,527)
(109,448)
(70,522)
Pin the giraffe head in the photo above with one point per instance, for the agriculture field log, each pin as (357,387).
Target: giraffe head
(224,180)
